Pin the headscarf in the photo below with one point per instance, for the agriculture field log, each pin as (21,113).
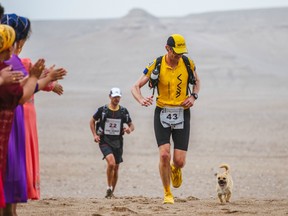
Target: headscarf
(7,37)
(20,24)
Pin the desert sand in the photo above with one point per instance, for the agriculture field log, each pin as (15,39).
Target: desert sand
(240,118)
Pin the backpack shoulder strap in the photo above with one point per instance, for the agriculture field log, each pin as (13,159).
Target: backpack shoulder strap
(124,115)
(104,112)
(153,83)
(122,109)
(191,76)
(158,63)
(100,123)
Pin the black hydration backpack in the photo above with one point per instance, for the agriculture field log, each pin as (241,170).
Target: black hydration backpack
(191,77)
(100,124)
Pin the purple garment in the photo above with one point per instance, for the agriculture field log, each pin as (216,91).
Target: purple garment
(15,183)
(16,63)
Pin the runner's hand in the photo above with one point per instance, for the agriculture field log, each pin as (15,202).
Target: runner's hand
(189,102)
(96,138)
(147,101)
(127,130)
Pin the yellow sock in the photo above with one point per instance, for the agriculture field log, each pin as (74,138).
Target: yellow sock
(167,189)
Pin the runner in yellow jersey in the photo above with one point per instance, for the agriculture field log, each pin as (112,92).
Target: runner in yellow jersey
(172,112)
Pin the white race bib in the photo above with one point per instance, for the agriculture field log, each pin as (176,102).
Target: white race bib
(172,117)
(112,126)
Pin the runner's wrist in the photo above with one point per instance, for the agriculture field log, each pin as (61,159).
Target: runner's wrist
(194,95)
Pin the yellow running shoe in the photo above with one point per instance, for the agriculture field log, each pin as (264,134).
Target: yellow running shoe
(168,198)
(176,176)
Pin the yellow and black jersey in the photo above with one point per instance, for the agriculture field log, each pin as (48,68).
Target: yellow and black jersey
(172,84)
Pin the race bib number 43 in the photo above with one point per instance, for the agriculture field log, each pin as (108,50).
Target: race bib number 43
(172,117)
(112,126)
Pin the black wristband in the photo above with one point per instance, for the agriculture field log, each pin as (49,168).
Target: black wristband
(195,95)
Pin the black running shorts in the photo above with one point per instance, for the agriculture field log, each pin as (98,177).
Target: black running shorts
(180,137)
(117,152)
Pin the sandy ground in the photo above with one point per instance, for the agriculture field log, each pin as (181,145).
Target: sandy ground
(241,117)
(148,206)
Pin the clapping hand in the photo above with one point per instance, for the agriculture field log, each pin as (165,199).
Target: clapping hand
(9,76)
(37,68)
(56,74)
(58,89)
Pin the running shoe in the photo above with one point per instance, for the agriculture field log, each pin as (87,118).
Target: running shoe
(168,198)
(176,176)
(109,194)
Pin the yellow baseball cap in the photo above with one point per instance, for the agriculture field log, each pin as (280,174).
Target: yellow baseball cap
(177,42)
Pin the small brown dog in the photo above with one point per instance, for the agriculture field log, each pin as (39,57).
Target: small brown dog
(224,184)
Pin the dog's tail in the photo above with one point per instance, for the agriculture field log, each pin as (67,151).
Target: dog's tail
(225,166)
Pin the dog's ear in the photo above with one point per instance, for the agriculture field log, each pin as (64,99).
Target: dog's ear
(215,174)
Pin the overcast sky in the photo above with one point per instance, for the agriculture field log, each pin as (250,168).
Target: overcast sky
(91,9)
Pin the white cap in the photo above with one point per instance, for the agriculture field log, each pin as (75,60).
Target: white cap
(114,92)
